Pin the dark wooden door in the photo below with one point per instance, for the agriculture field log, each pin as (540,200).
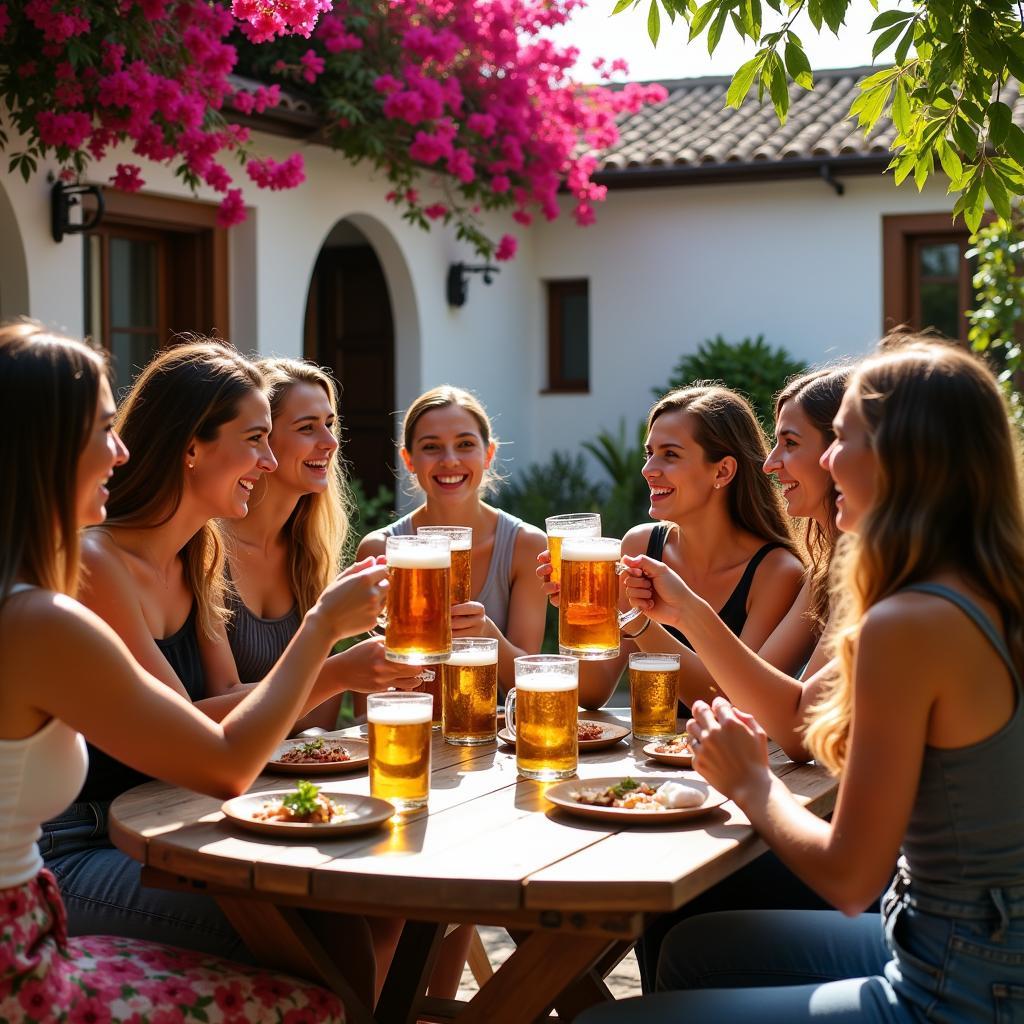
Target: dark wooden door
(349,328)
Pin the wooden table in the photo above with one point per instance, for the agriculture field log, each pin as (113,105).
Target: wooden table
(575,894)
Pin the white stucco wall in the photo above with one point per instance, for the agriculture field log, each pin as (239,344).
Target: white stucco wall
(667,269)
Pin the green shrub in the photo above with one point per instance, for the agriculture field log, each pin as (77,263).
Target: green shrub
(551,488)
(753,368)
(370,513)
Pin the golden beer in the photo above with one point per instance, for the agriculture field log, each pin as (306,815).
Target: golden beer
(576,524)
(588,618)
(399,733)
(469,687)
(461,539)
(542,711)
(419,619)
(653,688)
(433,687)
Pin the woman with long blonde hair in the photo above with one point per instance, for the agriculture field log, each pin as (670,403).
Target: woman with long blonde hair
(66,672)
(924,724)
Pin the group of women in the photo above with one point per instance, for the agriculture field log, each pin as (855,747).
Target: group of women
(169,590)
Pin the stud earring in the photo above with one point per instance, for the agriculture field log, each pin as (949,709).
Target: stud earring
(192,465)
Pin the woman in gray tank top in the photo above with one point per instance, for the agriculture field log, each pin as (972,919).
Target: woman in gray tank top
(448,448)
(923,724)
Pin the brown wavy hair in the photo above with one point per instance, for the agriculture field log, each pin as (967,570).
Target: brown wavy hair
(318,527)
(49,388)
(947,496)
(818,394)
(186,392)
(725,424)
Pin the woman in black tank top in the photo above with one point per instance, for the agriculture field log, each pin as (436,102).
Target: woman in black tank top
(721,527)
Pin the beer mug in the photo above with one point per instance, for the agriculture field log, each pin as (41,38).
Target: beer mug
(399,733)
(418,615)
(469,692)
(653,686)
(588,605)
(576,524)
(541,714)
(461,538)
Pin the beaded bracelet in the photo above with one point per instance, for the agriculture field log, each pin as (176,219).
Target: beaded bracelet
(640,632)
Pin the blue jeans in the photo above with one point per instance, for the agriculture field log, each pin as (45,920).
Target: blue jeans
(103,894)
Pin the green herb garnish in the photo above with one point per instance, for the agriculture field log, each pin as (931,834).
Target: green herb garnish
(303,801)
(311,746)
(623,788)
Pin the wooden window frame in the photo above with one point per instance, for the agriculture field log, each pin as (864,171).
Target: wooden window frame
(902,237)
(555,293)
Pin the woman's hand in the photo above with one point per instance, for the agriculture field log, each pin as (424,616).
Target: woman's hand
(470,619)
(364,668)
(730,750)
(658,591)
(354,601)
(544,571)
(364,563)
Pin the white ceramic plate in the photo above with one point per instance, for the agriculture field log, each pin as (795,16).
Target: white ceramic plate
(359,757)
(361,814)
(561,796)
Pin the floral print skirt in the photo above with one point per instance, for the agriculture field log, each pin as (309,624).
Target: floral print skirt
(97,979)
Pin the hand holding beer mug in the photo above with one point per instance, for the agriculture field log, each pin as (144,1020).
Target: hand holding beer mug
(399,733)
(469,692)
(653,688)
(576,524)
(588,607)
(461,538)
(541,713)
(418,620)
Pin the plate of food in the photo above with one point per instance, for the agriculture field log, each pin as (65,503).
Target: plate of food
(671,750)
(322,755)
(590,735)
(307,810)
(648,799)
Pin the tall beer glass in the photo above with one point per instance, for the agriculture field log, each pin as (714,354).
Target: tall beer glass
(541,714)
(399,731)
(576,524)
(461,538)
(588,615)
(469,691)
(418,614)
(653,686)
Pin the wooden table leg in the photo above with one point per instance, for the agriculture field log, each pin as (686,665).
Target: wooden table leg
(591,989)
(280,939)
(532,979)
(409,976)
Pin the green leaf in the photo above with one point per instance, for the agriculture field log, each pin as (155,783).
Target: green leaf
(997,193)
(834,12)
(654,22)
(922,168)
(999,119)
(750,15)
(904,45)
(798,66)
(886,39)
(814,13)
(901,108)
(966,137)
(717,27)
(887,18)
(950,161)
(622,5)
(742,81)
(1014,144)
(701,18)
(974,206)
(778,87)
(902,166)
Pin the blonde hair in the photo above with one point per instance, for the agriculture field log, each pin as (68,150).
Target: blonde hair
(947,495)
(818,394)
(725,424)
(49,390)
(186,392)
(318,527)
(440,398)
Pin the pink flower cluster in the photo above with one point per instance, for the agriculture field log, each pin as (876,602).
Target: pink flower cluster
(267,19)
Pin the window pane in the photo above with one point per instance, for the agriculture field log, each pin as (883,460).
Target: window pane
(941,259)
(130,352)
(133,284)
(940,307)
(576,337)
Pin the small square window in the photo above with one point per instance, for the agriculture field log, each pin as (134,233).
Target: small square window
(568,335)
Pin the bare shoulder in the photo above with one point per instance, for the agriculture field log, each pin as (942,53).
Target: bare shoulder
(530,542)
(372,544)
(42,623)
(924,622)
(104,568)
(779,566)
(636,540)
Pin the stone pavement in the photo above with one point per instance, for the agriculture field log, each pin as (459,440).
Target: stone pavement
(623,981)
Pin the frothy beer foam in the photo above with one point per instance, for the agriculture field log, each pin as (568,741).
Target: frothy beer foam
(426,557)
(589,549)
(400,713)
(655,664)
(546,682)
(473,658)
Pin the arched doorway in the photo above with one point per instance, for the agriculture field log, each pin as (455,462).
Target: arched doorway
(350,329)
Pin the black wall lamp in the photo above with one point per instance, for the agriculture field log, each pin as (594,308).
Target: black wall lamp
(62,198)
(458,280)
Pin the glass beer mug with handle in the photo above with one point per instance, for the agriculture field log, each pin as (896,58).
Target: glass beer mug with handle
(461,538)
(541,713)
(589,619)
(469,692)
(417,620)
(575,524)
(398,727)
